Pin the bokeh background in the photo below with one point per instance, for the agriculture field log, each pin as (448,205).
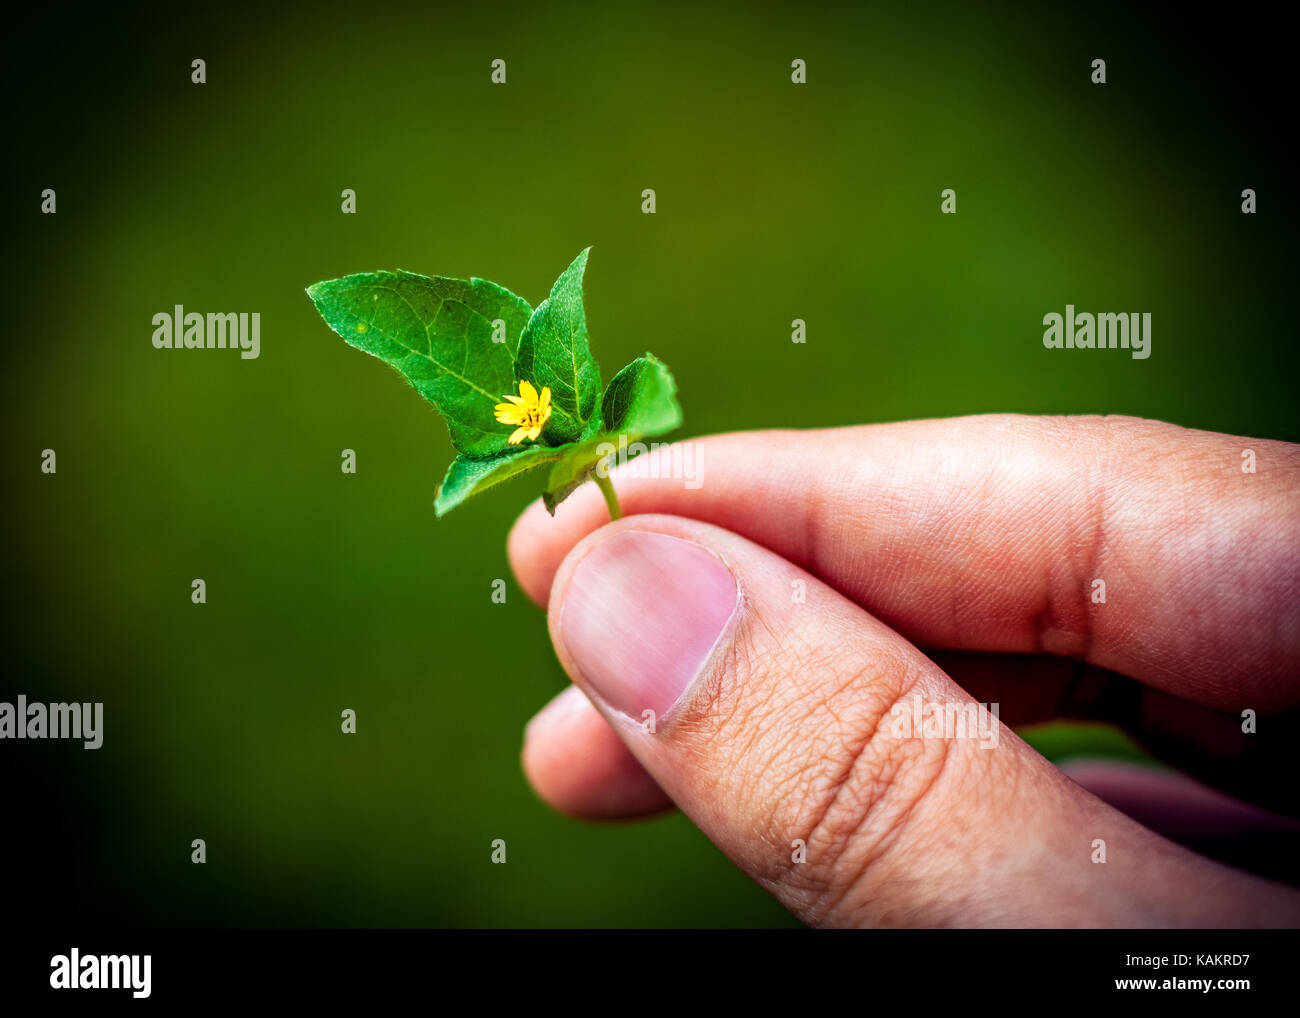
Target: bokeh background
(775,201)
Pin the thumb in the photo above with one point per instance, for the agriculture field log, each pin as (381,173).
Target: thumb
(837,765)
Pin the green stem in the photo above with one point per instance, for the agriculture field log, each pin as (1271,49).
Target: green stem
(606,487)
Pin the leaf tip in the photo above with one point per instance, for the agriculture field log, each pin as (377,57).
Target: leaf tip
(579,263)
(317,291)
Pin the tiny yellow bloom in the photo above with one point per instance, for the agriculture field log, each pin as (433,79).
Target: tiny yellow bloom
(528,411)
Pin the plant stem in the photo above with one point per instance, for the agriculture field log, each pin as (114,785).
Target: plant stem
(606,487)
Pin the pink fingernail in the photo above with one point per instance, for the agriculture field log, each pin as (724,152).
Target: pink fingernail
(642,614)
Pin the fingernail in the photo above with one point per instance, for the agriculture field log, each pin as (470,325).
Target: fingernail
(642,614)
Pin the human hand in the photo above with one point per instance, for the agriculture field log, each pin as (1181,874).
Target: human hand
(774,721)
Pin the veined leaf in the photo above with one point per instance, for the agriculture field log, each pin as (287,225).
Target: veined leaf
(574,467)
(466,476)
(438,333)
(554,352)
(641,400)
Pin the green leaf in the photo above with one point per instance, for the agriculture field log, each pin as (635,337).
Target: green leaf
(467,477)
(574,468)
(642,400)
(554,352)
(438,333)
(497,304)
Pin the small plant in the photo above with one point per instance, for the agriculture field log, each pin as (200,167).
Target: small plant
(518,387)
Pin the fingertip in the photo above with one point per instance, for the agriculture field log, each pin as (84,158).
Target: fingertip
(539,541)
(524,551)
(579,766)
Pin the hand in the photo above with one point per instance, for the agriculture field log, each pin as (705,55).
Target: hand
(770,620)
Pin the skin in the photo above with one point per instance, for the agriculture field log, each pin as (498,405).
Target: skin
(976,539)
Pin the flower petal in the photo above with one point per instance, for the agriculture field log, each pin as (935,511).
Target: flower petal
(544,404)
(528,392)
(518,436)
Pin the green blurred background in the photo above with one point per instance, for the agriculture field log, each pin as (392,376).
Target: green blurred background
(325,591)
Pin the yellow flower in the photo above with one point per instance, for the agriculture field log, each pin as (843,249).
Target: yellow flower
(527,410)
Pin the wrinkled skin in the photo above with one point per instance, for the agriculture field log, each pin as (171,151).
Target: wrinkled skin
(977,539)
